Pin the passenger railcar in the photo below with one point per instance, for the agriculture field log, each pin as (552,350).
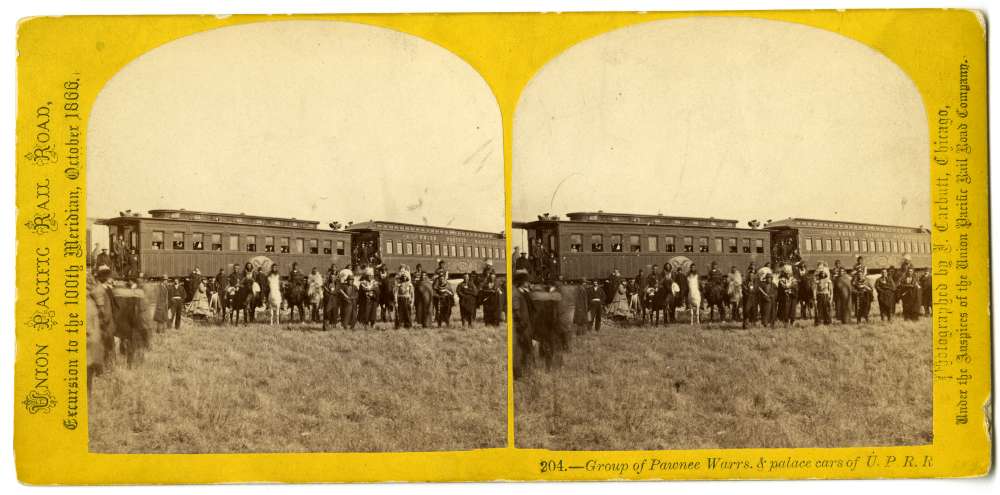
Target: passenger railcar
(591,244)
(174,242)
(881,246)
(463,251)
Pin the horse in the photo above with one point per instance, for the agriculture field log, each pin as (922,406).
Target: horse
(423,297)
(716,297)
(239,298)
(807,291)
(694,298)
(654,302)
(734,297)
(387,298)
(314,299)
(296,294)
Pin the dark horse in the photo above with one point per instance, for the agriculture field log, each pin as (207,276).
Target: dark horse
(715,297)
(387,298)
(239,298)
(296,294)
(654,301)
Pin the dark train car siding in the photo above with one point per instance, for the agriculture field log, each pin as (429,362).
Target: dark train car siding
(574,241)
(881,246)
(463,251)
(235,240)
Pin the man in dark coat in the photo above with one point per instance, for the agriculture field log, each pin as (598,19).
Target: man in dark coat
(926,293)
(489,298)
(750,291)
(886,288)
(177,296)
(521,313)
(468,296)
(331,302)
(347,300)
(234,276)
(103,259)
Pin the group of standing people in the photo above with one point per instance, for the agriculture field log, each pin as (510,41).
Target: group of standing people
(348,297)
(766,294)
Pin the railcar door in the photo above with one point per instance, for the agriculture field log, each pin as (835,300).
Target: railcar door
(365,247)
(785,246)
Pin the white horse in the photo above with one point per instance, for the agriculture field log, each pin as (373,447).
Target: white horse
(274,299)
(694,297)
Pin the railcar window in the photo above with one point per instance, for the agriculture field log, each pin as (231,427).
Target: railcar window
(327,247)
(575,243)
(388,247)
(284,245)
(718,244)
(437,250)
(198,241)
(733,248)
(616,243)
(313,246)
(597,243)
(451,250)
(340,248)
(409,248)
(399,247)
(909,248)
(758,245)
(157,240)
(808,244)
(299,245)
(703,244)
(178,240)
(828,244)
(652,244)
(420,249)
(688,244)
(837,245)
(857,247)
(669,245)
(871,246)
(216,242)
(251,243)
(634,245)
(746,246)
(427,249)
(864,246)
(234,242)
(269,244)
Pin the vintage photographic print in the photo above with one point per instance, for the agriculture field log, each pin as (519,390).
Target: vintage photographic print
(296,244)
(441,247)
(721,241)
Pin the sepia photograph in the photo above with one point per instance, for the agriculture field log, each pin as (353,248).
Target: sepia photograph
(721,240)
(295,236)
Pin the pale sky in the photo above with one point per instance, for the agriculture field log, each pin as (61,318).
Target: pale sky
(318,120)
(726,117)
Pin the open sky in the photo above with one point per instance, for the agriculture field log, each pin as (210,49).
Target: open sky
(726,117)
(309,119)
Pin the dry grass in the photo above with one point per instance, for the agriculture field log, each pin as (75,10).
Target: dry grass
(682,387)
(285,389)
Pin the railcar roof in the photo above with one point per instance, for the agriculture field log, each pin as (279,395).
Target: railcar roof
(375,225)
(795,222)
(217,218)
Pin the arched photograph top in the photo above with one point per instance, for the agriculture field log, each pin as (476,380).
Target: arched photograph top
(290,226)
(720,202)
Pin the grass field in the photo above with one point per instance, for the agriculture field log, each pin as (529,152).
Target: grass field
(290,389)
(719,386)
